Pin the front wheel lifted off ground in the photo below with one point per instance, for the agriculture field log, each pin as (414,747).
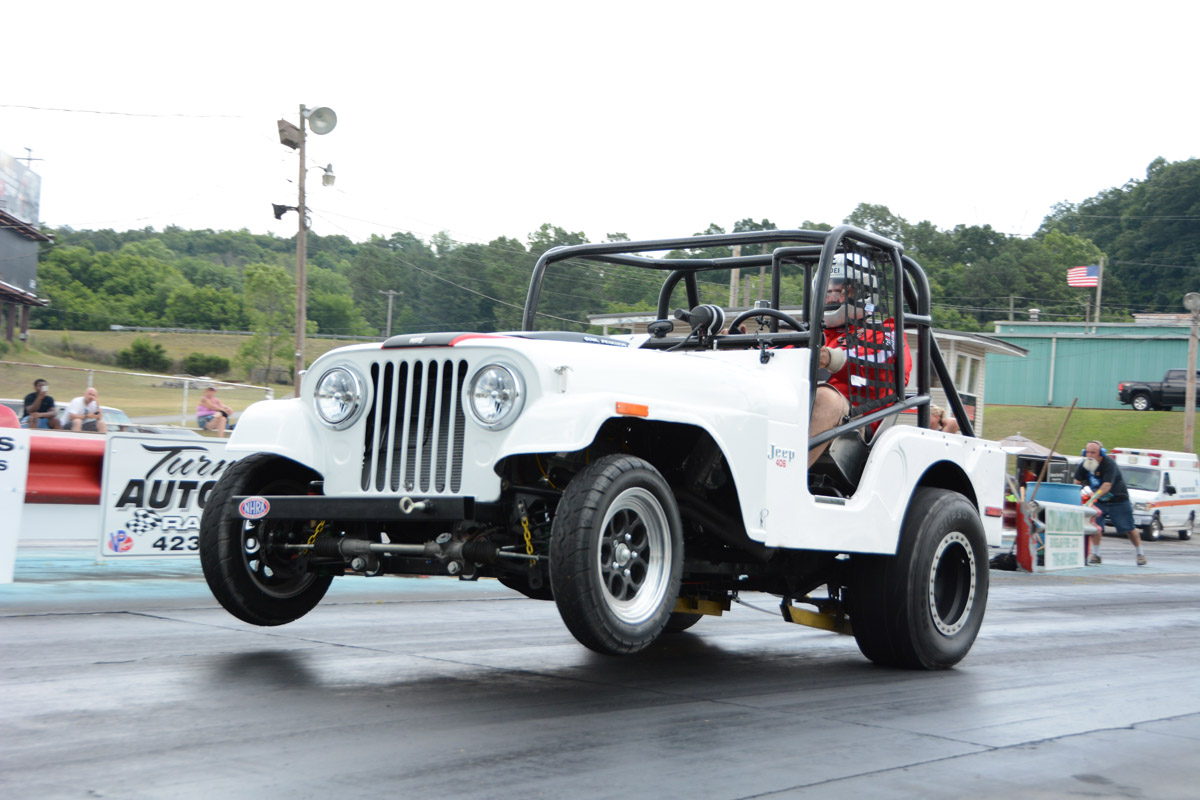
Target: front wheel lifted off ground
(616,555)
(922,608)
(249,577)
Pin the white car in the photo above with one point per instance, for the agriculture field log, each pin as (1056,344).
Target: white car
(638,481)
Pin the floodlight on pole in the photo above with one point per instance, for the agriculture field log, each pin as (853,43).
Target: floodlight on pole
(322,120)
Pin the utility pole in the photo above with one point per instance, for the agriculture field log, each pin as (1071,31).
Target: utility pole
(391,293)
(323,121)
(301,265)
(1191,301)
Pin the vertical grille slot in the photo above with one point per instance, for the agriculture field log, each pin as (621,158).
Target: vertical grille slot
(415,428)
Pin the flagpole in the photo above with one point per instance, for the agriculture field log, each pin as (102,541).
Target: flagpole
(1099,288)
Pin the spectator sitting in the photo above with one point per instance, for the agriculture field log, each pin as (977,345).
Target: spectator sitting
(211,413)
(939,420)
(83,413)
(39,407)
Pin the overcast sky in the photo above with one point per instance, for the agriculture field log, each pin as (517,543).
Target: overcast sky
(648,118)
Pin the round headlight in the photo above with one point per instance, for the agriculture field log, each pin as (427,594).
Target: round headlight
(338,397)
(495,396)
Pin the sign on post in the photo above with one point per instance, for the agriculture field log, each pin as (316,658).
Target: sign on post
(1063,538)
(154,490)
(14,467)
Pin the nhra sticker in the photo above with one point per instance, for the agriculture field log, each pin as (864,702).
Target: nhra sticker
(254,508)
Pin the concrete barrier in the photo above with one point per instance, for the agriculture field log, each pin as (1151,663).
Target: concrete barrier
(65,468)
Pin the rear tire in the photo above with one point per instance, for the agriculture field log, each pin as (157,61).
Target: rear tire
(616,555)
(251,581)
(1186,533)
(1140,402)
(922,608)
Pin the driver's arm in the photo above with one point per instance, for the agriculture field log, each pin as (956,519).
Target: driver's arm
(832,359)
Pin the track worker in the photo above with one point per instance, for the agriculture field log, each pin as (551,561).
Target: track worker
(1103,485)
(847,335)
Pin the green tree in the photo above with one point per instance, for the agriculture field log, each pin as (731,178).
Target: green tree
(205,364)
(145,355)
(207,308)
(270,303)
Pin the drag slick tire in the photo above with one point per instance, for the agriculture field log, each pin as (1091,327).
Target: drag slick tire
(616,555)
(251,582)
(922,608)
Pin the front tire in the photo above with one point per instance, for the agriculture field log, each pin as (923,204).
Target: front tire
(253,582)
(922,608)
(1153,531)
(616,555)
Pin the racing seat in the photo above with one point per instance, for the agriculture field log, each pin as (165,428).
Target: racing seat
(840,467)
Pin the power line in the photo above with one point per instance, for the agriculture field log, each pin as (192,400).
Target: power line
(121,113)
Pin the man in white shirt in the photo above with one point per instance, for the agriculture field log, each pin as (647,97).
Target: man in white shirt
(83,413)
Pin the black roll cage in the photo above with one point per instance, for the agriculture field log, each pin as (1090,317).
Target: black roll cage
(809,249)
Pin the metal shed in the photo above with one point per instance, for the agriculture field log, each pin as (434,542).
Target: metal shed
(1085,360)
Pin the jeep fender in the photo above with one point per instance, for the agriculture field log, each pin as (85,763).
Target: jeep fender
(285,428)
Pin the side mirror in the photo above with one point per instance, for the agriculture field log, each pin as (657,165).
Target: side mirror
(1169,489)
(660,328)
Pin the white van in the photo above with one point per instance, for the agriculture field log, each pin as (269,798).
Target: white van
(1164,489)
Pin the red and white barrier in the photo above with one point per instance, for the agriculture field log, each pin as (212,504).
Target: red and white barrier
(14,461)
(134,494)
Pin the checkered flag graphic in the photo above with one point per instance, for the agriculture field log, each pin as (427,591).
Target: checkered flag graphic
(143,521)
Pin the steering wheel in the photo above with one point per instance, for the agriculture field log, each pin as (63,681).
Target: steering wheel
(786,319)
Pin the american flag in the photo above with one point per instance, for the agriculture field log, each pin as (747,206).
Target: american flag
(1084,276)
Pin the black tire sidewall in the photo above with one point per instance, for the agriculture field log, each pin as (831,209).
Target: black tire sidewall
(574,554)
(888,596)
(220,543)
(948,513)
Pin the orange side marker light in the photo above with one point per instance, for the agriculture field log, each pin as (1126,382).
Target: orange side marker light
(633,409)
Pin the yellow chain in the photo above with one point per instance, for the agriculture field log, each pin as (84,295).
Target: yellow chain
(316,532)
(528,533)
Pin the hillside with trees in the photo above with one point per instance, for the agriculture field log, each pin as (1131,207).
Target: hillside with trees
(1148,230)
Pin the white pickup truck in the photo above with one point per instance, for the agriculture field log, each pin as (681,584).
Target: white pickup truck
(639,482)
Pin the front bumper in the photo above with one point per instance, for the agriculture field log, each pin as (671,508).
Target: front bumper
(361,509)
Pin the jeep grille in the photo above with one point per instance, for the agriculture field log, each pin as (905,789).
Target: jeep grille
(414,429)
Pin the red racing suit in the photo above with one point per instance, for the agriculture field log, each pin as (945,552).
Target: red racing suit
(857,381)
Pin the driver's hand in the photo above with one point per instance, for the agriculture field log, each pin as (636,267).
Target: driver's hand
(823,362)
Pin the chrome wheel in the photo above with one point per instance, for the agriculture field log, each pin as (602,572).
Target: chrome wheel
(634,556)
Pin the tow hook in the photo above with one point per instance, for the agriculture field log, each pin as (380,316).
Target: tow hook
(408,505)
